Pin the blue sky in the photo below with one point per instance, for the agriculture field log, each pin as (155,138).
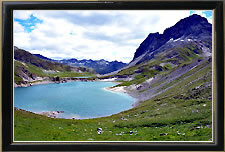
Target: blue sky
(207,13)
(28,24)
(109,35)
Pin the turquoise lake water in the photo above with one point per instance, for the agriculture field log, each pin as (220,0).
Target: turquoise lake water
(79,100)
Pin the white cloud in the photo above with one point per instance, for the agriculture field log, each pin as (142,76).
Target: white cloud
(17,27)
(22,14)
(110,35)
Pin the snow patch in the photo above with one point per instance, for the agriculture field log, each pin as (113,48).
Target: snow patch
(176,40)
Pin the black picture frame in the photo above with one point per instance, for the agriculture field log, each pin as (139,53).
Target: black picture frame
(7,75)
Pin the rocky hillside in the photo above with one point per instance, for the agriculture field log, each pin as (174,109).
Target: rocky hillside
(30,68)
(26,57)
(193,30)
(43,57)
(177,63)
(100,66)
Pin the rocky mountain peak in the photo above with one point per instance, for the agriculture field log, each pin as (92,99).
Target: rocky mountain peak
(194,26)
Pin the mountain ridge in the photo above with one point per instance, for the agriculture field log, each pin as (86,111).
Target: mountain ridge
(43,57)
(100,66)
(185,28)
(31,68)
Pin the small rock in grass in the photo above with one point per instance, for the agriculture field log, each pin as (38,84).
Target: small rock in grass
(164,134)
(99,131)
(198,127)
(119,134)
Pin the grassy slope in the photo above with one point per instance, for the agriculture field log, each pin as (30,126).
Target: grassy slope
(71,74)
(39,72)
(178,114)
(153,118)
(27,57)
(182,119)
(151,68)
(27,65)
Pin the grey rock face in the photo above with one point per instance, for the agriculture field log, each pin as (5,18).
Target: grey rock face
(194,27)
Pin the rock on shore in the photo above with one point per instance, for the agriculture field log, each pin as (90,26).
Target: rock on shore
(51,114)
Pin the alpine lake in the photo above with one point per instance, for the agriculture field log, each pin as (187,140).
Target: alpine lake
(75,99)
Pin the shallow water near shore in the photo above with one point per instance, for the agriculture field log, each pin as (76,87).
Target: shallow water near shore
(80,100)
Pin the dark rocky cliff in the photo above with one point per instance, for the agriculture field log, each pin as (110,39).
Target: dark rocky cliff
(193,27)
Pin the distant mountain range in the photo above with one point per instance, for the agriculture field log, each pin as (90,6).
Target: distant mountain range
(100,66)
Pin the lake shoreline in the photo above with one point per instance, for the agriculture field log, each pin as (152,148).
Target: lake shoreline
(54,114)
(121,89)
(29,84)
